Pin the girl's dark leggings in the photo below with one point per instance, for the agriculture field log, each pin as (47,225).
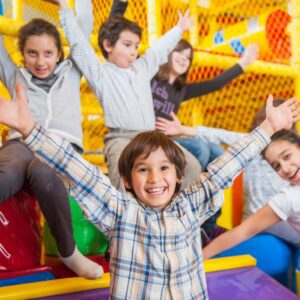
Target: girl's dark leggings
(18,165)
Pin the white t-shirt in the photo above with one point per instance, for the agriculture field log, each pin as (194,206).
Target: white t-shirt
(286,204)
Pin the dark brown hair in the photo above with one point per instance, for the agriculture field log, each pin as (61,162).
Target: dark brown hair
(112,28)
(261,114)
(144,144)
(39,27)
(163,73)
(284,135)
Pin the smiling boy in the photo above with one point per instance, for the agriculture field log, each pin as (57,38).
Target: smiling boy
(154,230)
(122,83)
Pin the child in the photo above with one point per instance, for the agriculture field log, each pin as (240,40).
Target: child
(122,84)
(154,230)
(169,89)
(260,182)
(283,154)
(172,79)
(53,88)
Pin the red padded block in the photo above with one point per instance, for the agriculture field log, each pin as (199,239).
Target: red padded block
(20,233)
(19,273)
(59,270)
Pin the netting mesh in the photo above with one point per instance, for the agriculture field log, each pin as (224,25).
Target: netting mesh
(39,9)
(137,11)
(223,30)
(234,106)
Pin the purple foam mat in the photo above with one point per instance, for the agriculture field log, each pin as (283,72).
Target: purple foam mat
(238,284)
(98,294)
(245,284)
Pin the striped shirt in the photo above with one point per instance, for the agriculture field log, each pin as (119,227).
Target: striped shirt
(260,181)
(124,94)
(155,254)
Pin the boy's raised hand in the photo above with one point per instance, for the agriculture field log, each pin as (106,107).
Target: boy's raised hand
(280,117)
(16,114)
(185,22)
(249,56)
(173,127)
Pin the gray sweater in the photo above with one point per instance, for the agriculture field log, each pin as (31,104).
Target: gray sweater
(124,94)
(58,110)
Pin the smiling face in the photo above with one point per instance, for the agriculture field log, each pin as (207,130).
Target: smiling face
(41,55)
(284,157)
(124,52)
(153,179)
(180,61)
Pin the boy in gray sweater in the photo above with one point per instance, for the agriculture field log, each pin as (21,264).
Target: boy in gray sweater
(122,84)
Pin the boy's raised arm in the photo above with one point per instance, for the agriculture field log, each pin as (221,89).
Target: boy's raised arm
(118,7)
(84,14)
(85,17)
(101,202)
(221,173)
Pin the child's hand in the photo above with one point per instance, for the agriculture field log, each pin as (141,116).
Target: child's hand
(16,114)
(249,56)
(63,4)
(280,117)
(169,127)
(185,22)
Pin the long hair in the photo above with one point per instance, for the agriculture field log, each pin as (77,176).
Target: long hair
(164,71)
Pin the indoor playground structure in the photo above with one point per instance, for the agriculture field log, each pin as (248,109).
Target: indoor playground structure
(29,266)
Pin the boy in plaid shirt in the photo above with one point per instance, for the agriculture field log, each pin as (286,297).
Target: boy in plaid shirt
(153,228)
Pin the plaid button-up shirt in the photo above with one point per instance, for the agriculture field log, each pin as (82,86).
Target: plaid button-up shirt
(260,181)
(155,254)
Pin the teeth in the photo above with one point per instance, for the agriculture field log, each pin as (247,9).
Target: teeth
(156,190)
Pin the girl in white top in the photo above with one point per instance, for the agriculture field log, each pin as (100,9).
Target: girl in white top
(283,154)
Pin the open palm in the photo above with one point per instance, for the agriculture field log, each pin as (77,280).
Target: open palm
(169,127)
(16,114)
(282,116)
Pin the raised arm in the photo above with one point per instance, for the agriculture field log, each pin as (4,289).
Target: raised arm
(207,192)
(84,14)
(158,53)
(83,53)
(204,87)
(253,225)
(101,202)
(8,69)
(118,7)
(85,17)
